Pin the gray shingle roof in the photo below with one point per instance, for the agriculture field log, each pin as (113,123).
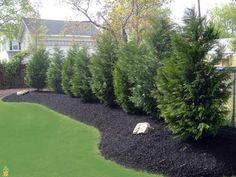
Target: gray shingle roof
(59,27)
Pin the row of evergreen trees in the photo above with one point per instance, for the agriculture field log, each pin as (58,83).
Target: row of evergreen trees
(166,75)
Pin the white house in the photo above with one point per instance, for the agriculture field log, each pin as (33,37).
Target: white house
(229,55)
(51,33)
(8,48)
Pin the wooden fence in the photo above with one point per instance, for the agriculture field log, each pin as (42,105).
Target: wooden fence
(16,80)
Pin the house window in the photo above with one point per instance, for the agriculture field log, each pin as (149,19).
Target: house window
(10,45)
(13,45)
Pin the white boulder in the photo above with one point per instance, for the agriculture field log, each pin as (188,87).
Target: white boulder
(142,128)
(22,92)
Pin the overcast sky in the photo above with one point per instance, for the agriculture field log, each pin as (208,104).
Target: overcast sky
(52,9)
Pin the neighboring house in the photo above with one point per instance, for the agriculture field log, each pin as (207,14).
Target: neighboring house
(8,48)
(229,56)
(51,33)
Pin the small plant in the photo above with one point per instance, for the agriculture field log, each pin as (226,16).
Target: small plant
(37,68)
(54,71)
(81,77)
(67,70)
(102,68)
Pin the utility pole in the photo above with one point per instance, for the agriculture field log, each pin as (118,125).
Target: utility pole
(199,8)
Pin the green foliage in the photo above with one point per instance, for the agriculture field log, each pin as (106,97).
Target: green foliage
(191,92)
(11,13)
(67,70)
(11,71)
(11,67)
(224,17)
(134,76)
(159,34)
(141,74)
(124,84)
(102,67)
(81,77)
(54,71)
(36,70)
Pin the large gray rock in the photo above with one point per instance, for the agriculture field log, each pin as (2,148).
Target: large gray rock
(142,128)
(22,92)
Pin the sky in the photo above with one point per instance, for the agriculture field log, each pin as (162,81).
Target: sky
(53,9)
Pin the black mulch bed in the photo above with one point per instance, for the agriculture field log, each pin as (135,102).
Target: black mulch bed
(159,152)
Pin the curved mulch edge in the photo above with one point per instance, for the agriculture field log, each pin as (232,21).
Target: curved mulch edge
(158,152)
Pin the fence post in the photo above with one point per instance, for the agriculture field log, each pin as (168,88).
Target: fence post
(233,115)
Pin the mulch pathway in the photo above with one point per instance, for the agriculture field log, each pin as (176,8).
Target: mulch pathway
(6,92)
(158,152)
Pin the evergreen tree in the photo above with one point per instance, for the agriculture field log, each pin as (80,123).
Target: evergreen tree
(159,35)
(128,54)
(191,92)
(102,67)
(155,49)
(67,70)
(54,71)
(141,74)
(37,68)
(81,77)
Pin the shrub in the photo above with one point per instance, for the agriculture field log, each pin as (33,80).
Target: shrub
(153,52)
(142,74)
(102,67)
(191,92)
(67,70)
(134,78)
(158,35)
(81,77)
(14,64)
(37,68)
(127,55)
(54,71)
(13,71)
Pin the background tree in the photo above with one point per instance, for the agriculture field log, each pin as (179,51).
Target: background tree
(36,70)
(192,92)
(54,71)
(117,16)
(11,13)
(102,67)
(224,17)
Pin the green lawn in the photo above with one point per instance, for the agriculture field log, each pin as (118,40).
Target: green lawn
(38,142)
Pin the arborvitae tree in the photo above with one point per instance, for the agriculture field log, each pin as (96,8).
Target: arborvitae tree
(141,74)
(102,67)
(67,70)
(155,49)
(37,68)
(159,34)
(81,77)
(192,92)
(54,71)
(128,54)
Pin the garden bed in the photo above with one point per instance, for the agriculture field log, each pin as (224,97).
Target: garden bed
(160,151)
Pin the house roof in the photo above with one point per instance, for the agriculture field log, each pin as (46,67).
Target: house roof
(60,27)
(226,43)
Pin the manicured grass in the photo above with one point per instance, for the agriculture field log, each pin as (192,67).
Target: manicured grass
(38,142)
